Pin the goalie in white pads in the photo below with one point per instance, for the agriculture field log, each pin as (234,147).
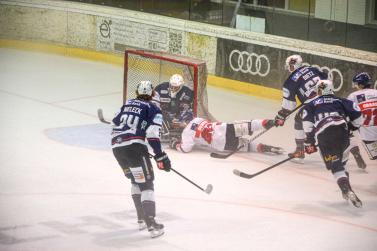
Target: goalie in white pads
(366,98)
(327,120)
(220,136)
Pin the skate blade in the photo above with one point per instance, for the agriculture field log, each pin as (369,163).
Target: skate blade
(142,226)
(354,200)
(156,233)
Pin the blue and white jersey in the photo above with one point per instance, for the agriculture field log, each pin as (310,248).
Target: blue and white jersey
(301,84)
(136,121)
(329,110)
(174,104)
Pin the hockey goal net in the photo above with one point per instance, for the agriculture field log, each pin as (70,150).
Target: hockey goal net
(158,67)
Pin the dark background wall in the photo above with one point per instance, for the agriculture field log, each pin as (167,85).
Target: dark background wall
(322,31)
(264,65)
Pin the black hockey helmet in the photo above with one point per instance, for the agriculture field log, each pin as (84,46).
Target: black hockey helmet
(362,79)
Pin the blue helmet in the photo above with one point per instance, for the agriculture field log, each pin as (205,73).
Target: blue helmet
(362,79)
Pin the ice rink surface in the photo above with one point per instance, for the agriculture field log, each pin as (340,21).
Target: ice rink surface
(62,190)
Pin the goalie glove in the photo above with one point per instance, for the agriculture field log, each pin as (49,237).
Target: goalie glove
(163,161)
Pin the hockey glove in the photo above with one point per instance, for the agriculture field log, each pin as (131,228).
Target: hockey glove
(163,161)
(310,148)
(310,144)
(281,116)
(269,123)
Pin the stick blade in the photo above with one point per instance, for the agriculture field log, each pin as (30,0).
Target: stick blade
(236,172)
(219,155)
(100,116)
(242,174)
(208,189)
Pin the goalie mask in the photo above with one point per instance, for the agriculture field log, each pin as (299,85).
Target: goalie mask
(325,87)
(361,80)
(144,88)
(293,62)
(175,84)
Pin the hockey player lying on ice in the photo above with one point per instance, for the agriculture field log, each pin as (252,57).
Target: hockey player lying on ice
(220,136)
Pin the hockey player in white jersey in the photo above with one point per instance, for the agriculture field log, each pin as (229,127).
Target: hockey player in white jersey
(222,136)
(366,98)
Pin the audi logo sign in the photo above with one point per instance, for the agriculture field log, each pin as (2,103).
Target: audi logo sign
(263,65)
(331,74)
(251,63)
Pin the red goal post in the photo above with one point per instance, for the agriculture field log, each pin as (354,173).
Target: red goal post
(158,67)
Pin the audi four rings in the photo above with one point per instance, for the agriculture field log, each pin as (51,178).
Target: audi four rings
(252,63)
(249,63)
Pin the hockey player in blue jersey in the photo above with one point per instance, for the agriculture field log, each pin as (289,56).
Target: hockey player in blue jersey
(300,84)
(327,121)
(174,97)
(138,122)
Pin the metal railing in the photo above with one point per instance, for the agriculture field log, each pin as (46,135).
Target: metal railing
(325,22)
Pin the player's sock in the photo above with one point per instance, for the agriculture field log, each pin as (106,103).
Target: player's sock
(139,211)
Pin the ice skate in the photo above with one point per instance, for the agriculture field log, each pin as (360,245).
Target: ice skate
(297,156)
(354,199)
(271,149)
(155,229)
(142,225)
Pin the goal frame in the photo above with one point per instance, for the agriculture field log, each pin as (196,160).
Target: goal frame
(195,63)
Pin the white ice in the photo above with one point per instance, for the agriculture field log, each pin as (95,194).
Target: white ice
(56,193)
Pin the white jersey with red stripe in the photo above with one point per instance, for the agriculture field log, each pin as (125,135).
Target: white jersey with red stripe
(366,99)
(201,132)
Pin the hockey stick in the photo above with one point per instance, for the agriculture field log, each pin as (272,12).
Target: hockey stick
(249,176)
(207,190)
(101,118)
(224,156)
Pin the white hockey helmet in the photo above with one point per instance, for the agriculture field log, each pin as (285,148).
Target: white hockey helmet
(293,62)
(144,88)
(325,87)
(175,84)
